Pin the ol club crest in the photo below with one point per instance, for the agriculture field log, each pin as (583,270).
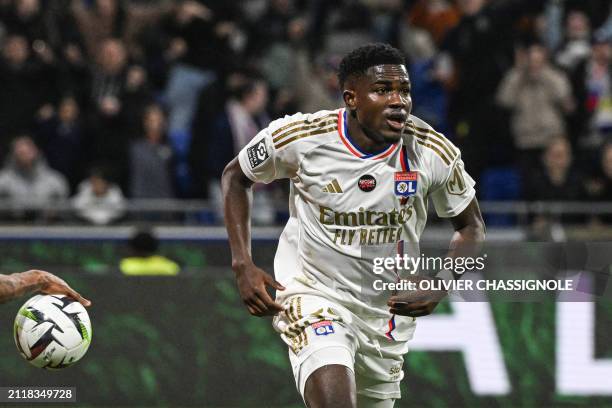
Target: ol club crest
(405,183)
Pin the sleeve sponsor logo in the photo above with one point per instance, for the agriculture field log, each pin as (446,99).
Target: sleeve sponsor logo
(456,184)
(257,154)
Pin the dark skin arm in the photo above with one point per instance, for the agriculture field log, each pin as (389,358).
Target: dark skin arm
(252,281)
(19,284)
(466,241)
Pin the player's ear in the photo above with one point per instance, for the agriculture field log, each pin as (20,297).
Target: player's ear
(349,97)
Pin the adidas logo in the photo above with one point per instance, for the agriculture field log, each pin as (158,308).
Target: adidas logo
(333,187)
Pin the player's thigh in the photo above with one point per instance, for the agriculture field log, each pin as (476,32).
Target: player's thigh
(331,386)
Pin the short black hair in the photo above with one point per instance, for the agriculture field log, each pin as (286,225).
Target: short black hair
(360,59)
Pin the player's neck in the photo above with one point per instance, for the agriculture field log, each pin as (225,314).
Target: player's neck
(368,143)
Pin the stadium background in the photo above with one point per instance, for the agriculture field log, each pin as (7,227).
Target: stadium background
(126,112)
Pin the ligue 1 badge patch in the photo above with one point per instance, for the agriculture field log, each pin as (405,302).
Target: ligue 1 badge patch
(405,183)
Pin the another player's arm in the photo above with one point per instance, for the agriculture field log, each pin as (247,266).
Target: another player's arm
(466,241)
(19,284)
(251,280)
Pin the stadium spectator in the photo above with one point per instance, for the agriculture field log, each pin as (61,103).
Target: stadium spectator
(577,46)
(275,61)
(199,49)
(113,57)
(538,96)
(437,17)
(60,137)
(220,92)
(599,185)
(151,158)
(386,19)
(555,180)
(109,75)
(105,19)
(487,28)
(427,77)
(244,116)
(137,96)
(313,83)
(144,258)
(596,10)
(25,18)
(63,31)
(98,200)
(592,86)
(108,120)
(272,27)
(75,72)
(340,26)
(26,180)
(27,85)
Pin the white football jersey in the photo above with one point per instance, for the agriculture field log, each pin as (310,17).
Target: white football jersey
(348,207)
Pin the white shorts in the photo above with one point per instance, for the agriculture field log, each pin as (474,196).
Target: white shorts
(320,332)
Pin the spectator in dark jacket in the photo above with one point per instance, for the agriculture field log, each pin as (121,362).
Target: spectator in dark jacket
(60,137)
(151,158)
(25,88)
(117,92)
(556,180)
(592,87)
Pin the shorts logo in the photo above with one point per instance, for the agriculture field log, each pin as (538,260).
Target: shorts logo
(257,154)
(323,328)
(395,372)
(366,183)
(406,183)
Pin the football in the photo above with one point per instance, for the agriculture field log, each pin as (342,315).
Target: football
(52,331)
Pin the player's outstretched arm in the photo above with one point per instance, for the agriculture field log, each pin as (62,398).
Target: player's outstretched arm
(251,280)
(466,241)
(18,284)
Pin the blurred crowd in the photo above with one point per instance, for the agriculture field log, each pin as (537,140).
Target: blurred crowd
(107,99)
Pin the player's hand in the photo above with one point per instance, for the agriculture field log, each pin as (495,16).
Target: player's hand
(415,303)
(51,284)
(252,282)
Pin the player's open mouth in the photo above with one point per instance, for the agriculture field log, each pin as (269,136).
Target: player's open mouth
(396,124)
(396,119)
